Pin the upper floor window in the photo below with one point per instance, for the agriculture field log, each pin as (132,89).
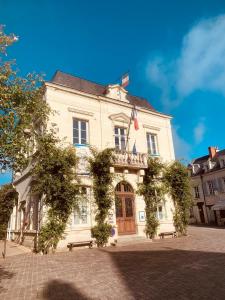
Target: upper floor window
(211,187)
(120,138)
(80,132)
(222,162)
(196,190)
(152,144)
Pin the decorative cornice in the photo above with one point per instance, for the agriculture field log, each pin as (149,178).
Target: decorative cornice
(151,127)
(121,117)
(79,111)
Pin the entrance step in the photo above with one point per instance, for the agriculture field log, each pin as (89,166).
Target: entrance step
(131,239)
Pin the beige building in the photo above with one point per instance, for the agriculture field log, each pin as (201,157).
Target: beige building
(87,114)
(208,188)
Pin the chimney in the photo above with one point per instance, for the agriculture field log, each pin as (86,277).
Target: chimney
(212,151)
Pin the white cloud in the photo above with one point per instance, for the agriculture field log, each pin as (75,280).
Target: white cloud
(199,66)
(182,148)
(199,131)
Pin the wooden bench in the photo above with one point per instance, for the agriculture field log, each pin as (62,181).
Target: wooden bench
(163,234)
(79,244)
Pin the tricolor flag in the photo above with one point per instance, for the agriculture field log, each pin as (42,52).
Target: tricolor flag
(134,118)
(125,80)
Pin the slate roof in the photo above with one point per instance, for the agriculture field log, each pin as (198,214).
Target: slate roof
(93,88)
(201,160)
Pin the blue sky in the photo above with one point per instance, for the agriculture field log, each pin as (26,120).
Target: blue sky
(175,51)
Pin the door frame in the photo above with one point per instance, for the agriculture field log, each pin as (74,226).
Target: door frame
(122,195)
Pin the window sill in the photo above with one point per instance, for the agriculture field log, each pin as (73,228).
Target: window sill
(81,145)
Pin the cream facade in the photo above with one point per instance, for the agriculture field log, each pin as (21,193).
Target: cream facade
(208,188)
(87,114)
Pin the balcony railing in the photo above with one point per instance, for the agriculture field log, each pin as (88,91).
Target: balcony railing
(128,159)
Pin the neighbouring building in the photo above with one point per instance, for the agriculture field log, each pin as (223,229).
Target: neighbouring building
(87,114)
(208,188)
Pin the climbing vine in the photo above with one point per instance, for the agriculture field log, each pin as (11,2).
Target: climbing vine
(153,191)
(8,198)
(100,164)
(178,184)
(57,184)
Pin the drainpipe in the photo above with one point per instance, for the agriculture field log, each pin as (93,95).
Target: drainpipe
(208,219)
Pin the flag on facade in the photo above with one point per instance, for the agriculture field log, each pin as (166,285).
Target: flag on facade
(125,80)
(134,150)
(134,118)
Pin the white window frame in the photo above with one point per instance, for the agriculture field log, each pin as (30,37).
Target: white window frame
(196,191)
(78,214)
(150,145)
(211,187)
(119,135)
(79,131)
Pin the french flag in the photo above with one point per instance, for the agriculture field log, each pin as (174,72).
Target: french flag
(125,80)
(134,117)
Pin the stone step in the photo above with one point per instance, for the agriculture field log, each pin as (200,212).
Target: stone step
(131,239)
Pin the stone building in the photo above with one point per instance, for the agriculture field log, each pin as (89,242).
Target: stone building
(208,188)
(99,115)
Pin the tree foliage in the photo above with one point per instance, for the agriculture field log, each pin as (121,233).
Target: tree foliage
(22,110)
(153,191)
(8,197)
(178,183)
(57,184)
(100,164)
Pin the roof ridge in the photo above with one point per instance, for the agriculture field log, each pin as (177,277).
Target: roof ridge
(79,77)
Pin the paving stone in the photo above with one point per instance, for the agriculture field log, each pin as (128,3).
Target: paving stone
(190,267)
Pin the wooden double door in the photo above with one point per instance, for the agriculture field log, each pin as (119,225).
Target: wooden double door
(125,210)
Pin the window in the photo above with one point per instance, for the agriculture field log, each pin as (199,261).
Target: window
(160,212)
(80,215)
(120,138)
(211,187)
(222,163)
(80,132)
(196,191)
(152,144)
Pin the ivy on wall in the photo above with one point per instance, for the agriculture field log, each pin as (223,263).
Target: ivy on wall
(100,164)
(178,184)
(8,198)
(56,182)
(153,190)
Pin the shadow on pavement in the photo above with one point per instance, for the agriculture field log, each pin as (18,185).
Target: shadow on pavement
(172,274)
(61,290)
(4,275)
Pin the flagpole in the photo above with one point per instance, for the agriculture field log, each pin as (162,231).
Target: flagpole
(128,132)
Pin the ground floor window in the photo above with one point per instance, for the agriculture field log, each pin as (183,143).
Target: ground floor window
(161,212)
(80,213)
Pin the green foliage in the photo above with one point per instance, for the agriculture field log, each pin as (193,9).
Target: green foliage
(51,232)
(178,183)
(8,197)
(22,110)
(100,164)
(101,233)
(56,182)
(153,191)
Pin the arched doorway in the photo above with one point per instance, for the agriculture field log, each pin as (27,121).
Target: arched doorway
(125,212)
